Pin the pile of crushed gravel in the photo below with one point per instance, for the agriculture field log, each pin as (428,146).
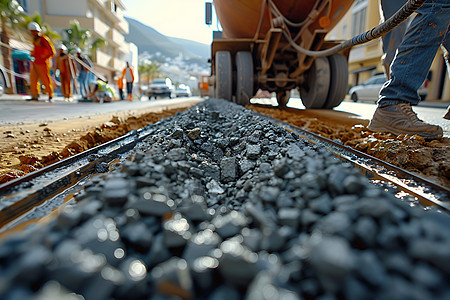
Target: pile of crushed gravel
(221,204)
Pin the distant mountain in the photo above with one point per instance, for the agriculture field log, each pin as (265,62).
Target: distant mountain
(200,49)
(147,39)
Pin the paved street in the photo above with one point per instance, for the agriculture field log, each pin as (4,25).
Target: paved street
(13,112)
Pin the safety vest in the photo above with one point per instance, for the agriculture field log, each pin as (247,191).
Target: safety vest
(43,50)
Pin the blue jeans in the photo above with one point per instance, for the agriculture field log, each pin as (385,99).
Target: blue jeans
(83,81)
(411,64)
(129,88)
(393,38)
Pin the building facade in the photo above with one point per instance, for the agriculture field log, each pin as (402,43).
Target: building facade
(104,18)
(365,60)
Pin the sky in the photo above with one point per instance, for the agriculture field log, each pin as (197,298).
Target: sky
(175,18)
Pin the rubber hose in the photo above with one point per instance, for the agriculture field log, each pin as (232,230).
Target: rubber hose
(401,15)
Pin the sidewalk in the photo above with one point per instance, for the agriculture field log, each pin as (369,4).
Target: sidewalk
(434,103)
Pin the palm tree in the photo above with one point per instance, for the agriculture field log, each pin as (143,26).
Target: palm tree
(149,70)
(11,14)
(78,37)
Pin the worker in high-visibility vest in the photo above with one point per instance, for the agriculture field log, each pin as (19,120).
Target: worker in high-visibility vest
(127,73)
(66,68)
(42,52)
(101,92)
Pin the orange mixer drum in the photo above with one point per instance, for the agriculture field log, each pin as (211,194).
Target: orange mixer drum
(240,18)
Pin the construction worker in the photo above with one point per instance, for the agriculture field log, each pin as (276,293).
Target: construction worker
(100,91)
(66,68)
(83,72)
(120,87)
(127,73)
(42,52)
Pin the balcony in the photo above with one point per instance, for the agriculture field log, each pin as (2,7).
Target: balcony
(102,59)
(64,21)
(117,64)
(116,38)
(101,29)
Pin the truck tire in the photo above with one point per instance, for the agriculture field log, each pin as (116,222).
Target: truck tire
(224,73)
(314,91)
(245,73)
(338,80)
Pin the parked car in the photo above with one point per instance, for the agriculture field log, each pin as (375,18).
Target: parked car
(183,91)
(161,87)
(370,89)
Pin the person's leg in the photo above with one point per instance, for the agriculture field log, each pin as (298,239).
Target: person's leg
(65,84)
(392,39)
(44,76)
(130,90)
(69,86)
(445,46)
(415,54)
(34,82)
(408,71)
(82,80)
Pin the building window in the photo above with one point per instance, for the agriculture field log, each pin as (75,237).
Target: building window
(113,6)
(359,13)
(24,4)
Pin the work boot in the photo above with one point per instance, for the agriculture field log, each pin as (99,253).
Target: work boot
(447,113)
(401,119)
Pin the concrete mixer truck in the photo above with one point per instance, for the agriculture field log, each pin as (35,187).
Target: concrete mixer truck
(273,44)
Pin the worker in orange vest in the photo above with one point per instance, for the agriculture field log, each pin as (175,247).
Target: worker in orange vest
(42,52)
(127,73)
(120,87)
(66,68)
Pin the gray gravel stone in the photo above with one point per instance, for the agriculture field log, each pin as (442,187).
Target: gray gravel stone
(201,244)
(253,151)
(370,269)
(228,167)
(176,231)
(138,234)
(289,217)
(177,154)
(230,224)
(333,260)
(366,231)
(152,203)
(116,191)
